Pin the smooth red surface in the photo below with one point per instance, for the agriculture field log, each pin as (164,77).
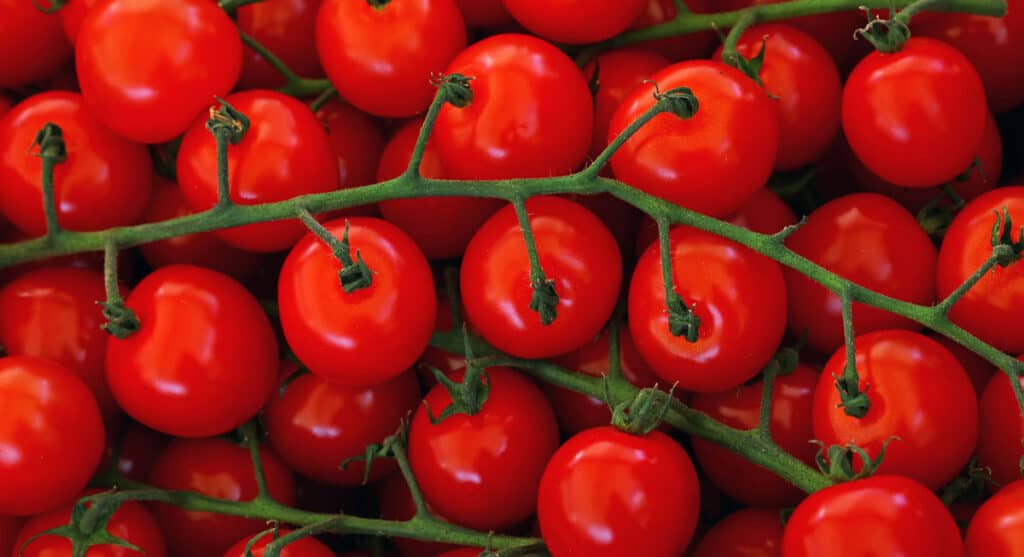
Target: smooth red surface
(749,532)
(1000,430)
(131,523)
(484,13)
(562,21)
(9,527)
(997,529)
(32,44)
(137,449)
(395,503)
(682,47)
(978,369)
(72,14)
(305,547)
(618,73)
(356,139)
(288,29)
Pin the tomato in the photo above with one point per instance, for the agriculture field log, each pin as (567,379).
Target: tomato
(284,154)
(738,295)
(560,21)
(285,27)
(484,13)
(997,298)
(711,163)
(912,382)
(215,468)
(71,16)
(446,362)
(745,533)
(204,379)
(104,182)
(978,369)
(137,449)
(356,139)
(792,401)
(315,425)
(463,464)
(367,336)
(9,527)
(531,114)
(576,251)
(52,435)
(609,493)
(620,217)
(1001,428)
(32,44)
(305,547)
(5,106)
(915,117)
(380,56)
(441,226)
(395,503)
(682,47)
(618,73)
(997,529)
(131,523)
(872,241)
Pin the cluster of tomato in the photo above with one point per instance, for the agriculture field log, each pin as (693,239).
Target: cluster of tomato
(254,321)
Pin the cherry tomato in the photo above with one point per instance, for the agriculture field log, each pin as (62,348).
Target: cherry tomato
(72,14)
(396,504)
(463,463)
(5,106)
(576,251)
(131,522)
(997,529)
(288,29)
(446,362)
(380,56)
(620,217)
(682,47)
(531,115)
(618,73)
(1000,430)
(978,369)
(561,21)
(104,182)
(881,515)
(745,533)
(912,382)
(148,68)
(711,163)
(52,435)
(284,154)
(738,295)
(357,141)
(203,379)
(32,44)
(305,547)
(137,449)
(607,493)
(484,13)
(915,117)
(9,527)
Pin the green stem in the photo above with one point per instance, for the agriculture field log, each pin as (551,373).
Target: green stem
(764,418)
(413,170)
(232,5)
(251,437)
(271,58)
(354,273)
(52,151)
(945,305)
(854,401)
(223,185)
(599,162)
(748,18)
(398,449)
(324,97)
(545,298)
(614,350)
(682,321)
(121,320)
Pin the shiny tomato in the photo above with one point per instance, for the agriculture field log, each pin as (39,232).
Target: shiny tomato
(395,503)
(178,54)
(32,44)
(446,362)
(356,139)
(137,449)
(52,435)
(997,529)
(104,182)
(204,379)
(464,463)
(560,21)
(738,295)
(288,29)
(484,13)
(711,163)
(618,73)
(131,523)
(72,14)
(682,47)
(531,114)
(9,527)
(576,251)
(607,493)
(1001,428)
(305,547)
(978,369)
(746,533)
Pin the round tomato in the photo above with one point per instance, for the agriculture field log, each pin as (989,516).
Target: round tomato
(681,47)
(618,73)
(288,29)
(72,14)
(560,22)
(607,493)
(52,435)
(356,139)
(745,533)
(1000,431)
(305,547)
(978,369)
(32,44)
(395,503)
(137,449)
(446,362)
(576,251)
(997,529)
(9,527)
(131,522)
(484,13)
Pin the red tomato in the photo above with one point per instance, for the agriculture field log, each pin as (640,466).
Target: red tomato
(137,450)
(285,27)
(104,182)
(484,13)
(711,163)
(997,298)
(997,529)
(32,44)
(620,217)
(745,533)
(380,56)
(1000,430)
(5,106)
(395,503)
(285,154)
(9,527)
(682,47)
(204,379)
(52,435)
(607,493)
(305,547)
(72,14)
(912,382)
(792,405)
(131,523)
(739,297)
(915,117)
(571,244)
(356,139)
(441,226)
(560,21)
(531,114)
(618,73)
(872,241)
(978,369)
(463,464)
(444,361)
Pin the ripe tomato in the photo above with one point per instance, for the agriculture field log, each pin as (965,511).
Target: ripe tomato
(131,523)
(32,44)
(148,67)
(302,162)
(872,241)
(792,406)
(618,73)
(1000,430)
(380,56)
(738,295)
(682,47)
(395,503)
(204,379)
(745,533)
(711,163)
(137,449)
(305,547)
(576,251)
(915,117)
(9,527)
(285,27)
(607,493)
(356,139)
(52,435)
(531,114)
(5,106)
(104,182)
(444,361)
(560,22)
(463,464)
(978,369)
(484,13)
(215,468)
(995,530)
(912,382)
(71,16)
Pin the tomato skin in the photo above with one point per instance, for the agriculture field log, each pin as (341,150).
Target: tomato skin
(32,44)
(305,547)
(997,529)
(131,522)
(609,493)
(484,13)
(746,533)
(381,58)
(683,47)
(1000,430)
(881,515)
(618,73)
(105,181)
(288,29)
(9,527)
(576,251)
(978,369)
(912,382)
(463,463)
(915,117)
(711,163)
(739,297)
(71,16)
(395,503)
(531,115)
(560,21)
(356,139)
(206,380)
(200,56)
(53,431)
(792,408)
(137,450)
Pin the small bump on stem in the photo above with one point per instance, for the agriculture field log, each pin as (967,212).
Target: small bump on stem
(682,321)
(354,274)
(751,67)
(121,320)
(853,400)
(228,127)
(453,89)
(545,298)
(52,151)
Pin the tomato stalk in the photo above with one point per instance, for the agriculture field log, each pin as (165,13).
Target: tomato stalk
(855,402)
(228,127)
(52,151)
(251,438)
(354,274)
(545,299)
(682,321)
(751,67)
(295,85)
(121,320)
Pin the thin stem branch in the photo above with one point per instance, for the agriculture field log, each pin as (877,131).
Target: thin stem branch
(545,298)
(744,22)
(323,99)
(854,401)
(398,449)
(947,304)
(413,170)
(764,418)
(614,350)
(251,437)
(271,58)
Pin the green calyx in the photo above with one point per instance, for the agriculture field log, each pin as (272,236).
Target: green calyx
(682,321)
(751,67)
(853,400)
(121,320)
(469,395)
(836,461)
(50,140)
(354,274)
(455,88)
(679,101)
(644,413)
(88,528)
(544,300)
(1005,250)
(227,122)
